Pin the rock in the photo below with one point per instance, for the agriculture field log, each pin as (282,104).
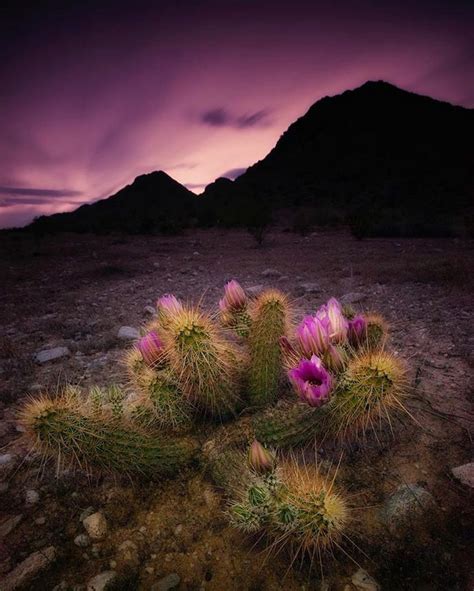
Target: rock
(6,459)
(353,298)
(96,526)
(167,583)
(465,474)
(88,511)
(102,581)
(270,273)
(128,333)
(40,520)
(29,569)
(178,530)
(9,524)
(150,310)
(363,581)
(82,540)
(310,287)
(31,497)
(254,290)
(406,504)
(51,354)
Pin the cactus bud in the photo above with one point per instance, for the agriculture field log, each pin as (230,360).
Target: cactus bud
(260,459)
(234,297)
(151,347)
(169,304)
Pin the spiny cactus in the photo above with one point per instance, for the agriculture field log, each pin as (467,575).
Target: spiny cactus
(270,317)
(159,401)
(205,366)
(376,332)
(62,428)
(293,505)
(369,391)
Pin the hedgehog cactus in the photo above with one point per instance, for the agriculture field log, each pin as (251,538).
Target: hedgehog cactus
(62,428)
(186,368)
(270,317)
(204,364)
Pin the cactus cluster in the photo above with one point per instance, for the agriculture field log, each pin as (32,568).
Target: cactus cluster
(329,377)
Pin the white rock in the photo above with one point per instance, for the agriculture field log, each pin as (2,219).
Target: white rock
(128,333)
(31,496)
(465,474)
(51,354)
(82,540)
(363,581)
(353,298)
(310,287)
(6,459)
(101,581)
(29,569)
(96,526)
(150,310)
(270,273)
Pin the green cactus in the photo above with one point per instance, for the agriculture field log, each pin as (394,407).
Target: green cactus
(61,428)
(376,332)
(269,324)
(205,367)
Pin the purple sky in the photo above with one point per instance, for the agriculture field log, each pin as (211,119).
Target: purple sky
(91,97)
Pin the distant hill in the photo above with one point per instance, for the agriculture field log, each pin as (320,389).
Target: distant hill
(379,158)
(383,159)
(152,203)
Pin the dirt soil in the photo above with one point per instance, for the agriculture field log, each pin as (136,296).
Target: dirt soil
(77,291)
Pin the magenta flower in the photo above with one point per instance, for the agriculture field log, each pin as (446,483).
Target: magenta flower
(312,381)
(313,335)
(169,304)
(151,347)
(234,297)
(336,321)
(357,328)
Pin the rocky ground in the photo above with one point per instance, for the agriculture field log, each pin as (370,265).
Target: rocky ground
(64,303)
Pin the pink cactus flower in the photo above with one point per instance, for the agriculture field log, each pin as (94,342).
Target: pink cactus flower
(312,382)
(313,335)
(337,323)
(169,304)
(151,347)
(357,328)
(260,459)
(234,297)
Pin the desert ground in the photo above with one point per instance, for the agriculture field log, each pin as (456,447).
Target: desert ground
(77,291)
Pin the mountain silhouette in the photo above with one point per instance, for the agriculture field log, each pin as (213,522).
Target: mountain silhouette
(383,159)
(154,202)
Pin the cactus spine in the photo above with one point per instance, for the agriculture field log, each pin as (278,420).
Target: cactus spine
(61,428)
(269,324)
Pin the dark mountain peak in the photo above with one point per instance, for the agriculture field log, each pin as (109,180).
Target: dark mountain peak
(156,177)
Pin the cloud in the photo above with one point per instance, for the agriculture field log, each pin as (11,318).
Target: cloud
(39,192)
(233,173)
(221,117)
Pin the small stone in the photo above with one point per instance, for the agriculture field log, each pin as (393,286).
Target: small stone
(254,290)
(102,581)
(150,310)
(465,474)
(407,503)
(150,570)
(29,569)
(113,564)
(82,540)
(270,273)
(128,333)
(353,298)
(40,520)
(31,497)
(88,511)
(167,583)
(96,526)
(6,459)
(309,287)
(51,354)
(178,530)
(363,581)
